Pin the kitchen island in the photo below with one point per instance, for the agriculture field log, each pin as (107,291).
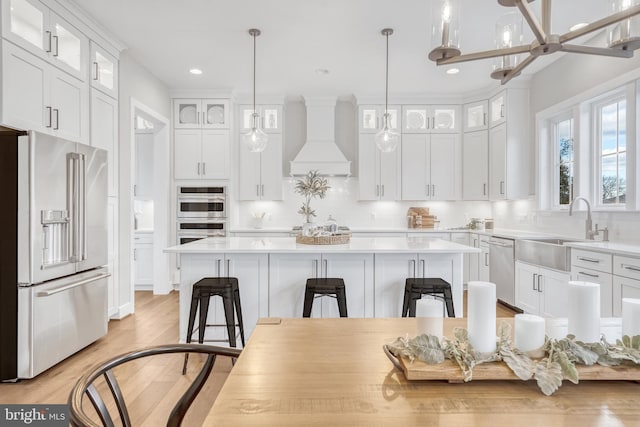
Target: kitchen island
(272,273)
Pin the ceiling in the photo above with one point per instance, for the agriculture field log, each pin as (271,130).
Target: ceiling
(300,36)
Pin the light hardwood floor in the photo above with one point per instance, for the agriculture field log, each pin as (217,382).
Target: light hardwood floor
(151,385)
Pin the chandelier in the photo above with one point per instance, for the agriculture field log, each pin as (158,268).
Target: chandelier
(623,36)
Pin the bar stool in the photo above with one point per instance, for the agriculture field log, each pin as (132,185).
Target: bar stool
(416,287)
(202,291)
(331,287)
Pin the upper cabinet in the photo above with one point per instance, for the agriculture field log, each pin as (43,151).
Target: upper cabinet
(34,27)
(379,172)
(431,119)
(370,118)
(104,71)
(201,113)
(498,109)
(270,117)
(476,116)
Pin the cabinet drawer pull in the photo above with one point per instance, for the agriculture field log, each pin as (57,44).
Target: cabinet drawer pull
(597,261)
(484,118)
(630,267)
(204,166)
(56,40)
(484,189)
(50,122)
(57,112)
(588,274)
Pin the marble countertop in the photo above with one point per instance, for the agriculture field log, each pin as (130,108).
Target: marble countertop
(289,245)
(610,247)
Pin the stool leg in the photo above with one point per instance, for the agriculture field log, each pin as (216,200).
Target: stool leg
(308,302)
(204,310)
(341,297)
(413,297)
(227,302)
(192,321)
(236,302)
(405,303)
(448,298)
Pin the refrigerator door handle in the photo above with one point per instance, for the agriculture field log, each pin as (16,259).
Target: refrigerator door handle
(72,206)
(83,206)
(72,285)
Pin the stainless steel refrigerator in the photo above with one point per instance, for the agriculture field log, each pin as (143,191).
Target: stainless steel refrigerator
(60,285)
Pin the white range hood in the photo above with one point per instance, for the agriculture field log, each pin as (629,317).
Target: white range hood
(320,151)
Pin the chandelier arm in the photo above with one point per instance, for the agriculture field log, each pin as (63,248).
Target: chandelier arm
(516,71)
(601,23)
(603,51)
(485,54)
(532,20)
(546,16)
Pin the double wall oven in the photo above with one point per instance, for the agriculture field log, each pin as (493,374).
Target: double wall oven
(202,212)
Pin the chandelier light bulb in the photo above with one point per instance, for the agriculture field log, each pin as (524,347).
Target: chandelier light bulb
(387,139)
(256,140)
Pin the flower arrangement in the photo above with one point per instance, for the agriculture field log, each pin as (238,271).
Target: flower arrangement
(310,186)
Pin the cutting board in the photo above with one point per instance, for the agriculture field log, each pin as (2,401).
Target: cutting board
(427,220)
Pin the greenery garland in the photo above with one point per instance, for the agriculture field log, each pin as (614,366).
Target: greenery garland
(559,363)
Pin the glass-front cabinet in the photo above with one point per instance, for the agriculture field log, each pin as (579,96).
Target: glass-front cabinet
(430,118)
(104,71)
(270,117)
(201,113)
(476,116)
(370,118)
(497,109)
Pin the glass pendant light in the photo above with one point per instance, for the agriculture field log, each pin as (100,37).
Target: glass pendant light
(387,139)
(255,139)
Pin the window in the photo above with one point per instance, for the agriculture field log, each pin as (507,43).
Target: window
(564,161)
(612,152)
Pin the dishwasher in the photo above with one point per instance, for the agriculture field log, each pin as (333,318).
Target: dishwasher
(501,260)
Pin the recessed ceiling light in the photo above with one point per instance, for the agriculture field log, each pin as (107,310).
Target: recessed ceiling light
(196,71)
(453,71)
(322,71)
(578,26)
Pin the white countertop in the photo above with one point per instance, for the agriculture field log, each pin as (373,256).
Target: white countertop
(610,247)
(289,245)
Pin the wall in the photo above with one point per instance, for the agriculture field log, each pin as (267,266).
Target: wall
(139,83)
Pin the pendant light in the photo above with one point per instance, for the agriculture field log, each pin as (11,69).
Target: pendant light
(387,139)
(255,139)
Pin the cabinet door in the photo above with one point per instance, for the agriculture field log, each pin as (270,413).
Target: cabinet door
(444,119)
(463,239)
(484,267)
(497,109)
(554,289)
(288,274)
(415,119)
(104,133)
(271,169)
(527,296)
(475,165)
(25,90)
(143,264)
(70,105)
(249,173)
(187,113)
(215,113)
(391,271)
(25,23)
(444,161)
(474,259)
(498,163)
(104,71)
(357,272)
(390,174)
(215,154)
(475,116)
(271,116)
(187,154)
(368,168)
(369,118)
(70,48)
(623,287)
(415,167)
(245,114)
(605,280)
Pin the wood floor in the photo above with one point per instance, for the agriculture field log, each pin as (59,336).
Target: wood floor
(152,385)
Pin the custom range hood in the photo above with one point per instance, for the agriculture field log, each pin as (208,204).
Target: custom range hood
(320,151)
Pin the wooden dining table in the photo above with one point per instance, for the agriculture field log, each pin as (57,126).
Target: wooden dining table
(331,372)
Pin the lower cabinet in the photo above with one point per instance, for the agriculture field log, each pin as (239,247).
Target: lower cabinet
(484,268)
(626,281)
(288,274)
(143,261)
(541,291)
(474,259)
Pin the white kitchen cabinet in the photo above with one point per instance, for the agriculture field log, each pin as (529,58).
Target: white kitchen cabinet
(484,268)
(104,71)
(626,281)
(431,119)
(430,167)
(474,259)
(379,177)
(201,154)
(288,274)
(270,116)
(112,255)
(595,267)
(201,113)
(498,109)
(38,96)
(260,174)
(370,118)
(104,133)
(498,163)
(541,291)
(475,165)
(392,270)
(143,261)
(463,239)
(476,116)
(39,30)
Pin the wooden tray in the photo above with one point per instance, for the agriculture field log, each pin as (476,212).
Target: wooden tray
(338,239)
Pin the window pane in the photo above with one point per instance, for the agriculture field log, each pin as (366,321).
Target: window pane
(564,165)
(609,117)
(622,126)
(622,177)
(609,179)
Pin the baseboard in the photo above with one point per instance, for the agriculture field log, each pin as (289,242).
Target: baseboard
(122,312)
(148,287)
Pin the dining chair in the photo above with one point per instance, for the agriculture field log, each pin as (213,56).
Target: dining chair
(87,386)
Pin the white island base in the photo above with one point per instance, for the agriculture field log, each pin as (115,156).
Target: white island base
(272,273)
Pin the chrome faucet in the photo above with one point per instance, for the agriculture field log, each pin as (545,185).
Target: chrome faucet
(589,233)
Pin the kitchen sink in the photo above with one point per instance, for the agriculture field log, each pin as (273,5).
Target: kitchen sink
(549,253)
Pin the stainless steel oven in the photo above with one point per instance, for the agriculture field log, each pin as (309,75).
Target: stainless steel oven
(202,202)
(190,230)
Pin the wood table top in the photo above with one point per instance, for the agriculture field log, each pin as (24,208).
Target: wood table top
(334,372)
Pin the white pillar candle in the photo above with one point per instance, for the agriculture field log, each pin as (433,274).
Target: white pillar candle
(631,316)
(481,316)
(529,334)
(429,316)
(584,311)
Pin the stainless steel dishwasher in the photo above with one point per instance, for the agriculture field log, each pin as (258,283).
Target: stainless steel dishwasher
(501,260)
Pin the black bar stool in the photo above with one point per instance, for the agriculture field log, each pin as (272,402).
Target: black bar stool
(416,287)
(202,291)
(331,287)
